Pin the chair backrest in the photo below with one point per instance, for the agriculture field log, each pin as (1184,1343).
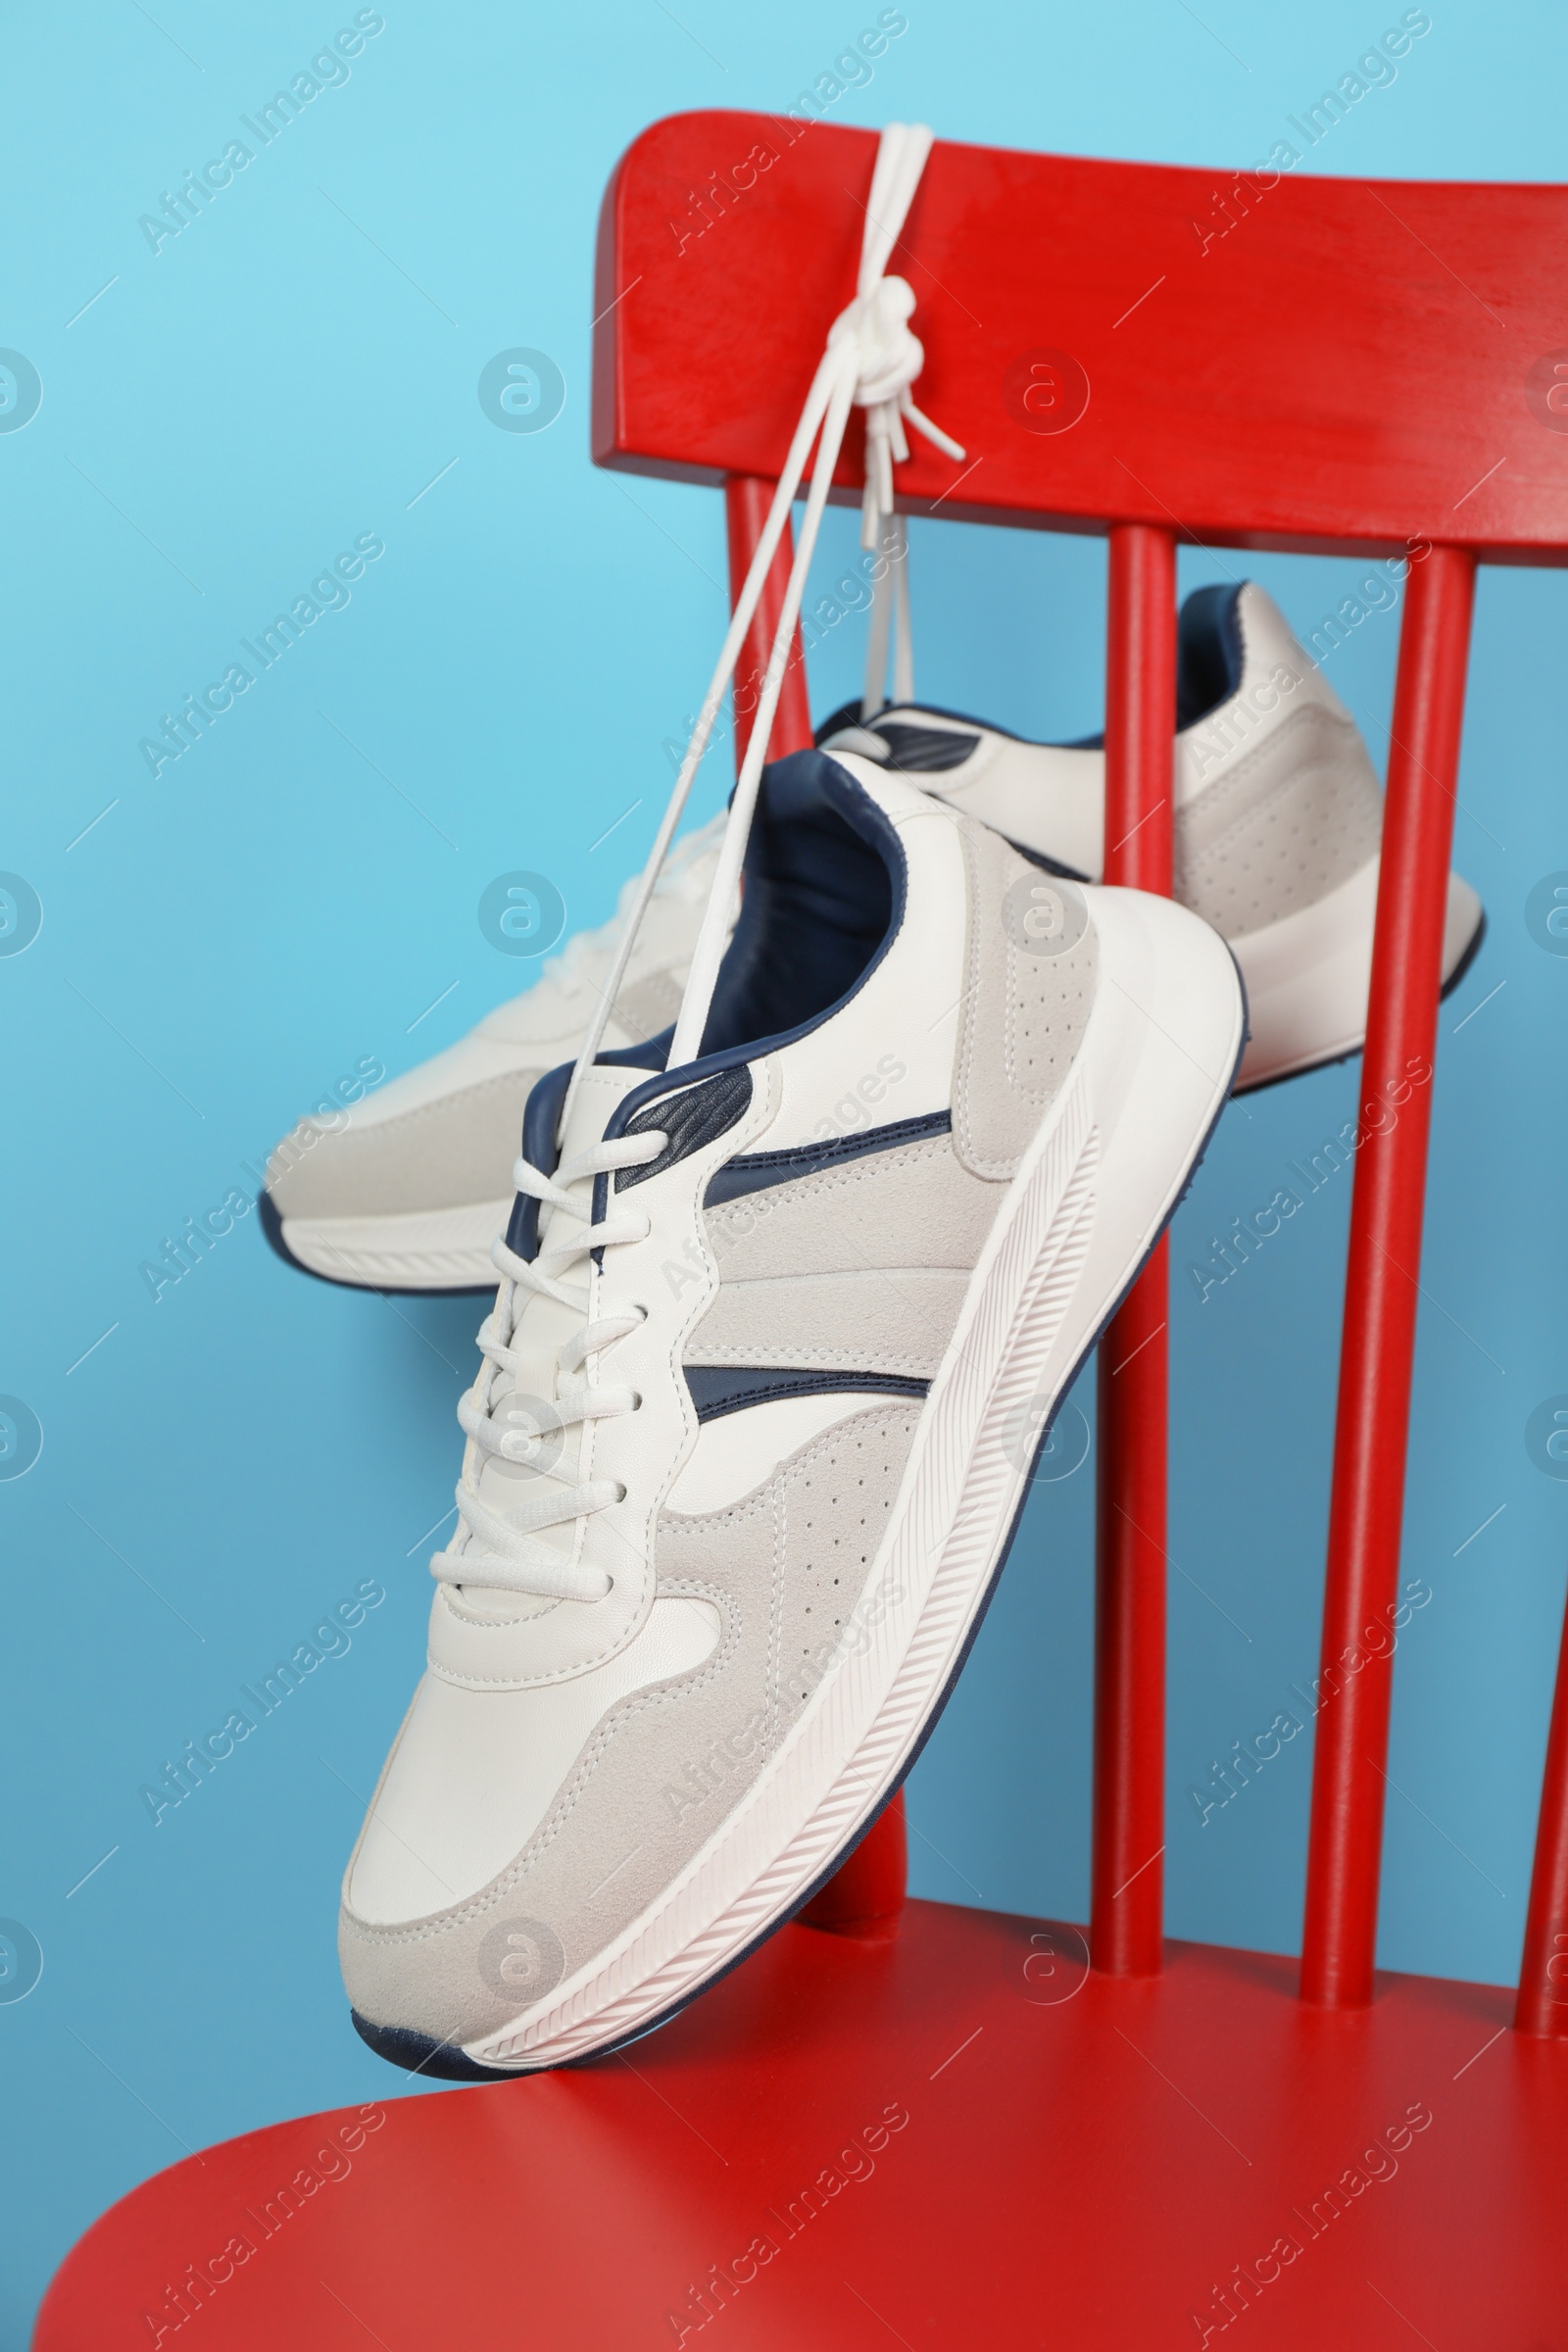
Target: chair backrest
(1267,360)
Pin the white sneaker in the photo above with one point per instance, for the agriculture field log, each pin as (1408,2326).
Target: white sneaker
(1278,823)
(1278,819)
(410,1189)
(775,1343)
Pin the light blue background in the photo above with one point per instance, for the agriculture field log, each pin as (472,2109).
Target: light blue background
(293,370)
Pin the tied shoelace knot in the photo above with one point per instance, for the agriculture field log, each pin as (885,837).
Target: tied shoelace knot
(888,358)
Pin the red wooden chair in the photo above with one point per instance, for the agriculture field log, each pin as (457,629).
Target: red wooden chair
(953,2129)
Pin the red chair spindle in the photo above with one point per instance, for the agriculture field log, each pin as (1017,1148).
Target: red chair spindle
(747,500)
(866,1894)
(1127,1898)
(1542,2004)
(1377,1352)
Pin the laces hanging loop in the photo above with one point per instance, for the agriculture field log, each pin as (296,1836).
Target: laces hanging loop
(890,611)
(889,357)
(893,357)
(872,357)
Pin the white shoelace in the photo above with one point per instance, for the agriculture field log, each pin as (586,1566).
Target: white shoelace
(498,1550)
(871,359)
(890,602)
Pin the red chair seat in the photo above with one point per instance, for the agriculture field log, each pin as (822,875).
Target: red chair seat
(1002,2149)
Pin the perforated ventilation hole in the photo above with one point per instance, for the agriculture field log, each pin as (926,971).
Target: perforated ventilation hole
(870,1520)
(1293,840)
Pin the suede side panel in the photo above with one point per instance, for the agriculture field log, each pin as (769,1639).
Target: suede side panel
(1287,824)
(916,1205)
(869,1321)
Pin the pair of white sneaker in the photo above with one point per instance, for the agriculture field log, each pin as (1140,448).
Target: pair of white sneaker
(1277,828)
(743,1460)
(781,1288)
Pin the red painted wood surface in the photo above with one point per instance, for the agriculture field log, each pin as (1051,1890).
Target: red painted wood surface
(1377,1353)
(1127,1869)
(1002,2148)
(1543,2005)
(746,504)
(866,1894)
(1352,363)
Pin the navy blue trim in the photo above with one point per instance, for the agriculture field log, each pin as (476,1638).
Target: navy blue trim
(721,1389)
(541,1118)
(697,1117)
(848,714)
(1211,659)
(755,1171)
(860,813)
(1210,654)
